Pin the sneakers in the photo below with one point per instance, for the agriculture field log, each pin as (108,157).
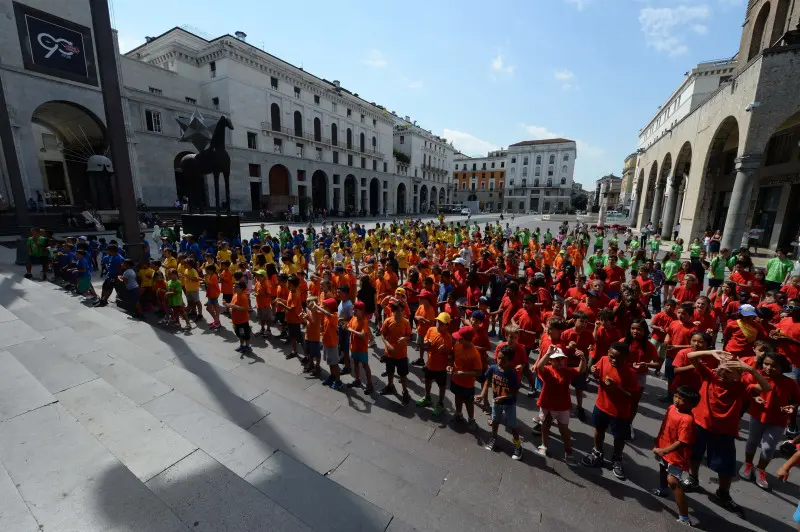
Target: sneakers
(369,390)
(517,455)
(684,521)
(761,479)
(472,425)
(618,470)
(355,384)
(746,472)
(541,451)
(418,362)
(593,459)
(580,413)
(725,500)
(537,427)
(425,401)
(388,390)
(438,410)
(28,276)
(337,385)
(406,397)
(658,492)
(290,356)
(570,460)
(240,349)
(690,483)
(490,444)
(328,381)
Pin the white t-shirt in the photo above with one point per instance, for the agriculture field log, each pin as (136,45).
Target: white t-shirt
(129,276)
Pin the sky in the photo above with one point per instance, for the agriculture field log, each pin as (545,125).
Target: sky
(482,74)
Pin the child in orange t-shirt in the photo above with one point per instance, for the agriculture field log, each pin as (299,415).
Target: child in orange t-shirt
(330,340)
(212,293)
(240,316)
(313,348)
(263,302)
(358,327)
(226,281)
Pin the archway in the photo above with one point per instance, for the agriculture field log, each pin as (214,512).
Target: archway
(423,199)
(718,177)
(658,198)
(275,116)
(319,190)
(676,188)
(757,35)
(278,199)
(350,195)
(649,194)
(298,124)
(67,134)
(441,196)
(374,197)
(433,200)
(779,22)
(317,130)
(401,199)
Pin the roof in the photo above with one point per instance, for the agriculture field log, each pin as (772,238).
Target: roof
(542,141)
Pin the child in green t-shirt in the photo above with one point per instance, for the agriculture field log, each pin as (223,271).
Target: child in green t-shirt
(175,299)
(654,242)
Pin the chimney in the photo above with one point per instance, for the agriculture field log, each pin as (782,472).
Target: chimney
(408,118)
(336,83)
(149,39)
(242,36)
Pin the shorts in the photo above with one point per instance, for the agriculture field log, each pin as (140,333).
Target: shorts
(227,298)
(714,283)
(642,378)
(467,394)
(263,313)
(362,358)
(398,365)
(213,301)
(331,355)
(764,437)
(242,330)
(84,284)
(193,297)
(670,283)
(579,382)
(132,295)
(280,317)
(661,348)
(509,412)
(344,339)
(439,377)
(313,348)
(719,449)
(560,416)
(672,469)
(620,428)
(295,332)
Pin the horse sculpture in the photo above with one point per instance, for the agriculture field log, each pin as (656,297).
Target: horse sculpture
(213,159)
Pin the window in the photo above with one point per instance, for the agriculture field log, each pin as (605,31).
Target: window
(549,170)
(552,159)
(374,142)
(474,166)
(212,67)
(215,103)
(374,165)
(538,159)
(525,161)
(333,106)
(464,185)
(402,139)
(277,145)
(319,154)
(349,112)
(157,92)
(317,129)
(491,184)
(538,171)
(349,139)
(190,100)
(484,166)
(524,171)
(252,140)
(463,168)
(374,122)
(563,180)
(363,162)
(363,181)
(492,165)
(502,164)
(385,168)
(335,179)
(298,124)
(362,119)
(524,183)
(254,170)
(152,120)
(513,160)
(316,99)
(336,157)
(297,92)
(361,142)
(273,82)
(566,157)
(299,150)
(549,182)
(536,182)
(483,185)
(472,186)
(349,160)
(334,135)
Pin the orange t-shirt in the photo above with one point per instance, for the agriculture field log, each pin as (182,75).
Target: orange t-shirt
(330,331)
(240,316)
(428,313)
(302,290)
(440,346)
(293,307)
(392,330)
(273,286)
(313,327)
(315,287)
(226,279)
(390,282)
(465,359)
(358,345)
(212,286)
(281,293)
(263,298)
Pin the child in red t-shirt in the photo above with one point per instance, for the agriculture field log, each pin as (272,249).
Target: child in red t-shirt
(684,374)
(722,395)
(577,342)
(605,334)
(658,328)
(673,448)
(741,334)
(617,385)
(769,415)
(679,332)
(554,402)
(642,358)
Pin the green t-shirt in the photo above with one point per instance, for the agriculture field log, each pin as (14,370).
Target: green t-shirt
(598,241)
(654,244)
(777,269)
(176,299)
(594,263)
(623,263)
(634,245)
(548,236)
(695,249)
(677,248)
(635,265)
(457,238)
(613,241)
(33,246)
(671,269)
(718,268)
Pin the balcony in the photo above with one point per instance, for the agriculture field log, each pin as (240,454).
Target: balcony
(266,127)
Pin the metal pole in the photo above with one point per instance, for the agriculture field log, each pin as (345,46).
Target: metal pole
(14,177)
(115,123)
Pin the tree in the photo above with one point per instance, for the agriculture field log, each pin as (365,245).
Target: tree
(579,202)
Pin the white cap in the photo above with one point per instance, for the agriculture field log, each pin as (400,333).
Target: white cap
(461,261)
(557,353)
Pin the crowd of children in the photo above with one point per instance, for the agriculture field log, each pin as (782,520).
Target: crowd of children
(446,290)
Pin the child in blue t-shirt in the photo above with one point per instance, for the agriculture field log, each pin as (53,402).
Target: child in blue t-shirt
(504,382)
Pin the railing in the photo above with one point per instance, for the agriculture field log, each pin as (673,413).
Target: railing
(311,136)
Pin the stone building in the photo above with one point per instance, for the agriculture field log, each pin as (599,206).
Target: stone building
(626,187)
(481,179)
(540,175)
(736,155)
(607,192)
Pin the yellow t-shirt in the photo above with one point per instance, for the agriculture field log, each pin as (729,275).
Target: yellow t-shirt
(170,263)
(223,254)
(402,259)
(146,277)
(192,280)
(318,254)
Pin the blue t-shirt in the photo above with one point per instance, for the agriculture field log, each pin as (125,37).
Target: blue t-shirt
(504,382)
(346,310)
(194,249)
(112,264)
(86,265)
(444,291)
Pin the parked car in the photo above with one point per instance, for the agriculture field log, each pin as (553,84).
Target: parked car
(466,212)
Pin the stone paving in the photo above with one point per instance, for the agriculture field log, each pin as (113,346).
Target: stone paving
(109,423)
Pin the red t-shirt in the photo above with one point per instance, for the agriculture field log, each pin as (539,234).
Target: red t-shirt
(609,398)
(791,291)
(641,351)
(785,391)
(509,307)
(624,317)
(776,311)
(605,337)
(577,293)
(677,427)
(555,388)
(689,378)
(647,286)
(742,278)
(790,350)
(583,341)
(737,343)
(682,294)
(662,319)
(527,321)
(543,297)
(721,402)
(679,334)
(615,274)
(591,313)
(706,320)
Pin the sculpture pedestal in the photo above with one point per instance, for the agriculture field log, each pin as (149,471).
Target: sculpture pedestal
(212,224)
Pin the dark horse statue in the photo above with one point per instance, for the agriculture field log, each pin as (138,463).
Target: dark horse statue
(214,159)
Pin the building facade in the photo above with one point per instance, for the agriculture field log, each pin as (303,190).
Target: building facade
(540,176)
(733,162)
(626,188)
(297,139)
(481,179)
(608,192)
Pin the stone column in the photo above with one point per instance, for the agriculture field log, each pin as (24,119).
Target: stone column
(655,214)
(635,208)
(671,207)
(733,234)
(601,218)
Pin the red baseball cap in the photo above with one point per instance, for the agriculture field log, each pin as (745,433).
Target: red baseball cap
(464,333)
(331,304)
(359,305)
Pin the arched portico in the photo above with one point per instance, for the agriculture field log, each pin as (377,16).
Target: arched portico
(677,184)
